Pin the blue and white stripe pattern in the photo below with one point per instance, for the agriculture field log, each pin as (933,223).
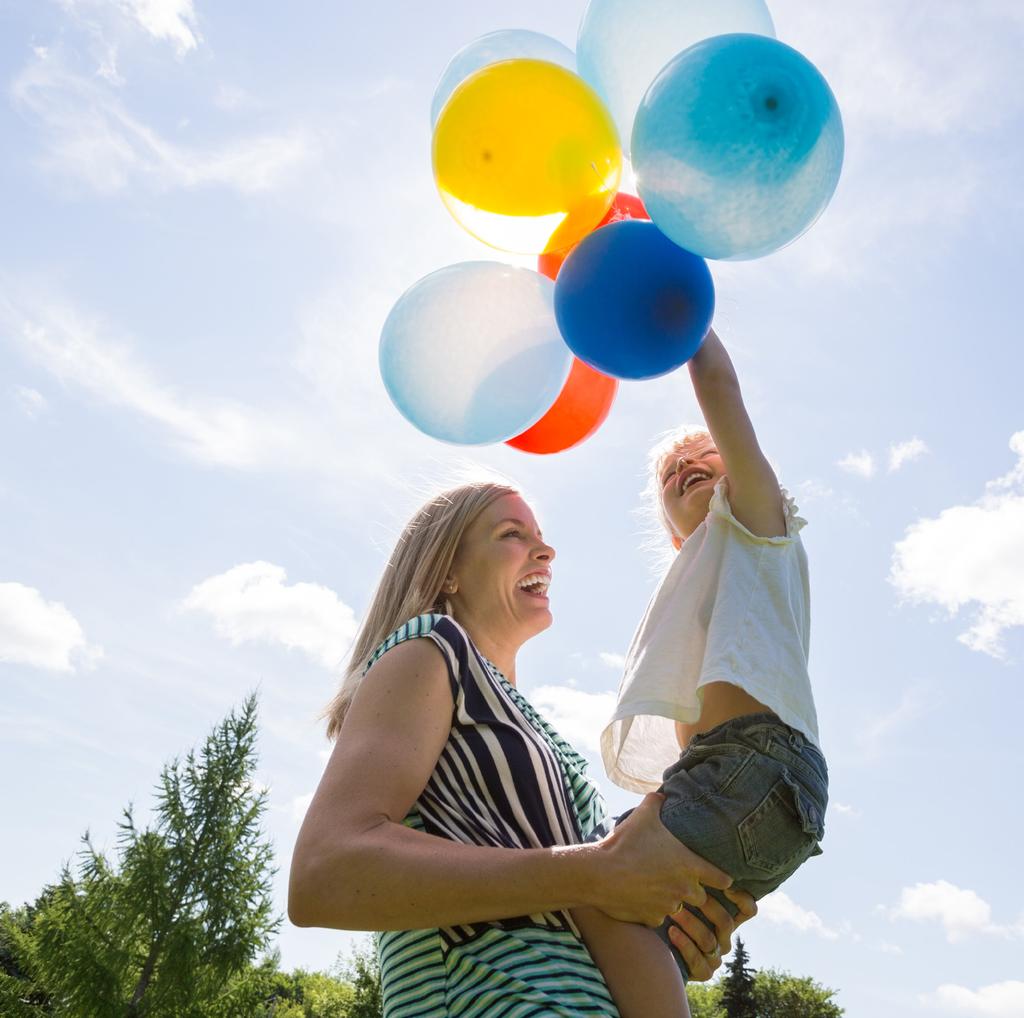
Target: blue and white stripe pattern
(507,779)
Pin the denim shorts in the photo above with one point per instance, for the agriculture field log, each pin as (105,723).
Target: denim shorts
(749,796)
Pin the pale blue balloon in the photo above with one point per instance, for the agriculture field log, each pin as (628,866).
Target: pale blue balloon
(507,44)
(623,44)
(737,147)
(471,354)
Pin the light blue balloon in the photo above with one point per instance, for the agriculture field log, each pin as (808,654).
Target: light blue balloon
(737,147)
(507,44)
(623,44)
(471,354)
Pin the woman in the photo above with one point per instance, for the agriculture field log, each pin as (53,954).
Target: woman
(453,818)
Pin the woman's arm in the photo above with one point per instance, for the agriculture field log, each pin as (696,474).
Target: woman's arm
(753,487)
(356,866)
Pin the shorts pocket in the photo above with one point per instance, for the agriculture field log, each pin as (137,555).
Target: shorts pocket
(710,769)
(783,830)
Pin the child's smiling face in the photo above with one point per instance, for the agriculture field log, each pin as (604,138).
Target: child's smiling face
(687,479)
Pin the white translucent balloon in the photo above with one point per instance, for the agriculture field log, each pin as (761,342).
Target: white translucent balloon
(507,44)
(623,44)
(471,354)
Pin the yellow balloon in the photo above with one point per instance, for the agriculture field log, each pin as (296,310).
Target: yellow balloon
(526,156)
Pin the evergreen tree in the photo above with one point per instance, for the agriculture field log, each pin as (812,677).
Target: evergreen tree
(738,985)
(174,930)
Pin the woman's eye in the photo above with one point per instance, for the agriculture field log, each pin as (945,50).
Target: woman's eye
(510,533)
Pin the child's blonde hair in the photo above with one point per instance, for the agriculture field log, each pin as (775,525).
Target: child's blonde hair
(692,439)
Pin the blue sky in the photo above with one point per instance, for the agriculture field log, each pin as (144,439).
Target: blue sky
(207,211)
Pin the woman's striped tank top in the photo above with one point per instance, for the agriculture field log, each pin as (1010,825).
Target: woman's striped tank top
(505,778)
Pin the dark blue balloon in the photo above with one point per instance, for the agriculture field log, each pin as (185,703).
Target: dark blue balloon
(631,303)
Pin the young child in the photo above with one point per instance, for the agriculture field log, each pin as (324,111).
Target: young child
(718,670)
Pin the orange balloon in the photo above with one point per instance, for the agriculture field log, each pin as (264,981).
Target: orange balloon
(625,206)
(579,411)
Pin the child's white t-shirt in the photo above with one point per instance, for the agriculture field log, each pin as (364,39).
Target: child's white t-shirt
(733,607)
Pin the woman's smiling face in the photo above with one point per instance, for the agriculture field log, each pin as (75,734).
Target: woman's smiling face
(501,572)
(688,477)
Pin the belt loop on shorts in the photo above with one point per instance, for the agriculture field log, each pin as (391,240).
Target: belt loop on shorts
(796,740)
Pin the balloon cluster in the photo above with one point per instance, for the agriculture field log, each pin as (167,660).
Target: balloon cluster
(736,145)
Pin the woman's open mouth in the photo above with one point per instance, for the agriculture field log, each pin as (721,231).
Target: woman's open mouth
(535,585)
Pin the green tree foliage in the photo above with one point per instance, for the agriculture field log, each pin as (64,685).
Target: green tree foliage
(738,985)
(705,1000)
(780,995)
(772,994)
(363,972)
(172,931)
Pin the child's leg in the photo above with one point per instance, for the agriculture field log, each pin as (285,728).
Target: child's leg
(640,970)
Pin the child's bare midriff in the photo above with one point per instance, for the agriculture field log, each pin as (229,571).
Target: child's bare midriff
(722,702)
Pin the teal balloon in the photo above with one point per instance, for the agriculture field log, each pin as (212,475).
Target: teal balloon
(507,44)
(737,147)
(623,44)
(472,355)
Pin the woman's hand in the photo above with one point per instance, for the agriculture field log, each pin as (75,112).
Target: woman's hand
(648,872)
(701,949)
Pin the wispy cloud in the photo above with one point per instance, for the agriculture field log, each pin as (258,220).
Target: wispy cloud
(971,554)
(253,603)
(901,453)
(997,1000)
(612,660)
(172,21)
(574,714)
(78,350)
(860,463)
(914,702)
(31,402)
(780,909)
(961,912)
(41,633)
(91,137)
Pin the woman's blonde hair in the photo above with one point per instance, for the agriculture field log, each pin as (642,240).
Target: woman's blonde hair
(413,579)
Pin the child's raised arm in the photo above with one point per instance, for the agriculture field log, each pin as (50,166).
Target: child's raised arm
(753,487)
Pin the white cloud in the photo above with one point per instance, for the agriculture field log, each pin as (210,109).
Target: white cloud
(613,660)
(904,452)
(253,603)
(40,633)
(31,402)
(173,20)
(971,554)
(961,912)
(998,1000)
(845,810)
(780,909)
(861,463)
(91,136)
(577,716)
